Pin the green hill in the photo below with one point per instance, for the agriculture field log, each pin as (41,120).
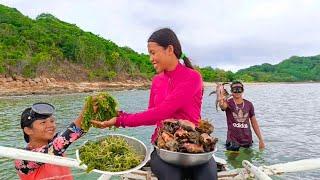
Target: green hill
(294,69)
(50,47)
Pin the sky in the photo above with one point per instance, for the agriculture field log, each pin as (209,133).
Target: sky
(230,35)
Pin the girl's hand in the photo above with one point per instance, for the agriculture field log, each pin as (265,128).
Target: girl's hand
(261,145)
(104,124)
(79,120)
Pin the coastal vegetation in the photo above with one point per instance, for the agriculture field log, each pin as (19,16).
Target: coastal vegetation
(49,47)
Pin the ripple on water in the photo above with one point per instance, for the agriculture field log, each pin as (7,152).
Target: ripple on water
(290,125)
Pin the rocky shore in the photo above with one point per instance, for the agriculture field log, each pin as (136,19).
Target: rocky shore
(18,86)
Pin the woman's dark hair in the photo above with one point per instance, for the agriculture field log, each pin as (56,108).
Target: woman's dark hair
(24,119)
(165,37)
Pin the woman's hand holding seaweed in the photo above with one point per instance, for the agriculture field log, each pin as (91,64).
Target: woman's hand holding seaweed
(104,124)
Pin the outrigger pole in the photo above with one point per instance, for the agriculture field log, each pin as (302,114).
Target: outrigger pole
(260,173)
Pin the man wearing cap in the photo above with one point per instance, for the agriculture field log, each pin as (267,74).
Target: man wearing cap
(240,116)
(39,129)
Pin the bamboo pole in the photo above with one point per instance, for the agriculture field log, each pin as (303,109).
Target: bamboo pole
(105,177)
(294,166)
(14,153)
(260,175)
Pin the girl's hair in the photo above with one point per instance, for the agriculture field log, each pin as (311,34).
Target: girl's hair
(24,122)
(165,37)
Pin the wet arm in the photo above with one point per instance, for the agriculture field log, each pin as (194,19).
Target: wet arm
(256,128)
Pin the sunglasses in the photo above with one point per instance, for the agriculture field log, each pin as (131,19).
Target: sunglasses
(40,110)
(237,89)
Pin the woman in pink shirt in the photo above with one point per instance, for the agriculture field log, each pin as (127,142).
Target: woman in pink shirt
(176,92)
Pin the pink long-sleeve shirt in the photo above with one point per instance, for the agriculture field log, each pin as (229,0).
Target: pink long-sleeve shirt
(174,94)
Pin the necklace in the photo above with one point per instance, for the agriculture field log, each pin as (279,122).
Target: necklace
(237,108)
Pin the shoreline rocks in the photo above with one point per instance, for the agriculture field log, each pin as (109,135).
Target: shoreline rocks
(19,86)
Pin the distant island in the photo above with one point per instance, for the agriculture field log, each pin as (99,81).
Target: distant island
(47,47)
(294,69)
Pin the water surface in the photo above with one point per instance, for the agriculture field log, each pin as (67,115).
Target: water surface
(289,116)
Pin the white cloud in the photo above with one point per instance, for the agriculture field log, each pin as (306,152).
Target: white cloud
(225,34)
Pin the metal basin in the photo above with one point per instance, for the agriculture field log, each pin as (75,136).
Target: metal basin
(138,146)
(184,159)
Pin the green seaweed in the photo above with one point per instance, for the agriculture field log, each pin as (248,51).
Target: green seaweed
(106,108)
(111,154)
